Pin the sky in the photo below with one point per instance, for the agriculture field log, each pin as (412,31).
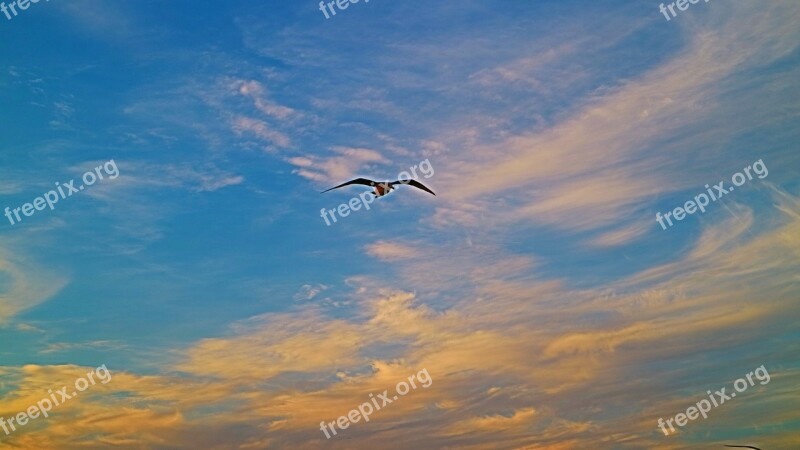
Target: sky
(536,290)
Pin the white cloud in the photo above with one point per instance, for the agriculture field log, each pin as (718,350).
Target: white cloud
(391,251)
(343,165)
(255,91)
(309,292)
(261,129)
(27,286)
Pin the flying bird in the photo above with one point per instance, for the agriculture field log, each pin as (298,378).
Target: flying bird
(742,446)
(382,188)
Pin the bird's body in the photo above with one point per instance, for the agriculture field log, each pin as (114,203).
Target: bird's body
(384,187)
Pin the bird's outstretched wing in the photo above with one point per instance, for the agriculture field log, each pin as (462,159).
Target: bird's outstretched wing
(363,181)
(743,446)
(414,183)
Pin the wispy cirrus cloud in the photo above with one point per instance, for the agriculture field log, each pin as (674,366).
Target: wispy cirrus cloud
(25,285)
(345,163)
(598,165)
(256,91)
(247,125)
(391,251)
(310,292)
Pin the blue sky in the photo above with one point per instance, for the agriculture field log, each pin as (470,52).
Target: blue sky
(548,305)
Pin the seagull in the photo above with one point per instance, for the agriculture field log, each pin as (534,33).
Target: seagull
(382,188)
(742,446)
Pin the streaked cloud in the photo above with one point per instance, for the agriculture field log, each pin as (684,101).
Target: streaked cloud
(343,164)
(25,285)
(244,125)
(391,251)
